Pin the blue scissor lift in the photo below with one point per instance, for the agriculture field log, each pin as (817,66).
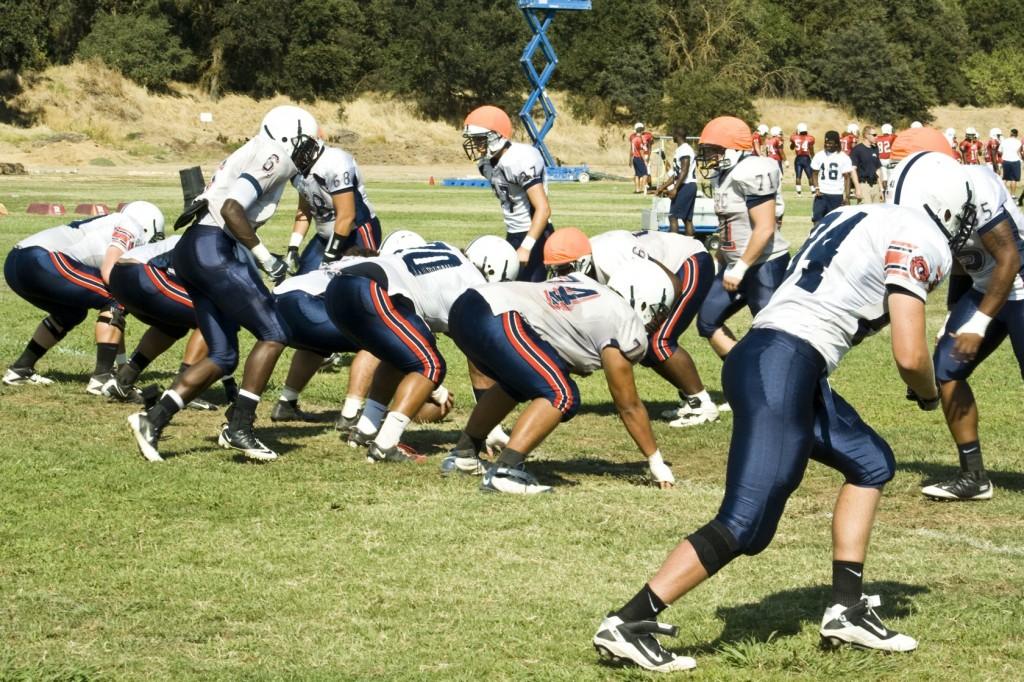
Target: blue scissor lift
(539,14)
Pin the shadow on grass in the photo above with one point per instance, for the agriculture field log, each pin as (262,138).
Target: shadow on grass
(933,473)
(554,472)
(654,408)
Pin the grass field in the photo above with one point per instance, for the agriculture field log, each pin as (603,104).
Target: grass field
(320,566)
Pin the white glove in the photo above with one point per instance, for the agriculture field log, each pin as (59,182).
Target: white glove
(660,472)
(735,272)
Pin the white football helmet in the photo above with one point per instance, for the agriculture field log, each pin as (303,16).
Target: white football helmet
(853,128)
(149,217)
(647,288)
(399,240)
(937,184)
(950,133)
(776,130)
(612,251)
(971,131)
(494,257)
(801,128)
(887,129)
(995,133)
(296,131)
(916,124)
(762,129)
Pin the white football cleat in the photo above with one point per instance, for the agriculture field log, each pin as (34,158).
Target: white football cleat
(692,415)
(471,465)
(21,377)
(635,642)
(245,441)
(859,626)
(97,382)
(147,436)
(511,480)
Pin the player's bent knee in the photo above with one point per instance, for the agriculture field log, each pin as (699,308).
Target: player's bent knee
(706,329)
(715,546)
(226,359)
(876,476)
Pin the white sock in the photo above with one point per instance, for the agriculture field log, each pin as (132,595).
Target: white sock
(176,398)
(373,415)
(703,397)
(242,393)
(391,430)
(288,394)
(350,408)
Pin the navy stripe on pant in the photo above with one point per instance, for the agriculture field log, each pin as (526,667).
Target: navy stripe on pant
(58,284)
(227,292)
(784,414)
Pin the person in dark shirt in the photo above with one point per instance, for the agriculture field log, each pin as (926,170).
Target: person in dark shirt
(866,163)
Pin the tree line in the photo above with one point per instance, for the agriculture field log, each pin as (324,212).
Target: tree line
(670,62)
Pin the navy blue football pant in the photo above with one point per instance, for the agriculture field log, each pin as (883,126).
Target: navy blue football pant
(505,348)
(695,276)
(535,271)
(365,235)
(62,286)
(227,292)
(754,292)
(386,327)
(784,414)
(825,204)
(308,326)
(154,296)
(802,166)
(1008,322)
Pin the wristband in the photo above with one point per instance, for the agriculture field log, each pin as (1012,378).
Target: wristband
(527,243)
(439,395)
(295,240)
(261,253)
(737,269)
(978,324)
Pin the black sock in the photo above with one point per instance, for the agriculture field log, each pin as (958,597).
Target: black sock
(970,457)
(33,351)
(847,582)
(105,355)
(645,605)
(230,388)
(477,392)
(128,374)
(139,361)
(244,413)
(161,413)
(511,458)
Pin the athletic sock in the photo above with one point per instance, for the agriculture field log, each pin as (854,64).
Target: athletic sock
(391,430)
(170,403)
(139,361)
(511,458)
(33,351)
(847,582)
(244,413)
(645,605)
(105,354)
(230,388)
(702,398)
(970,457)
(373,415)
(350,408)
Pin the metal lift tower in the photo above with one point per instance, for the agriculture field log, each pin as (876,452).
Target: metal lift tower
(539,14)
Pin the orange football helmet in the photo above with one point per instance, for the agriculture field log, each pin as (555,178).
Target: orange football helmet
(485,131)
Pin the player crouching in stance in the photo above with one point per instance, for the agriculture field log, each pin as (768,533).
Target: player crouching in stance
(64,271)
(528,337)
(569,250)
(391,306)
(859,267)
(216,260)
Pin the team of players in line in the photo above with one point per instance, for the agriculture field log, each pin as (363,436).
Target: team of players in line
(613,301)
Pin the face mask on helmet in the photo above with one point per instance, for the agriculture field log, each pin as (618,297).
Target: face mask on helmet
(494,257)
(936,184)
(648,290)
(479,142)
(149,217)
(296,131)
(713,160)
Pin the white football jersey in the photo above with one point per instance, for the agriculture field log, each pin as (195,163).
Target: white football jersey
(743,186)
(832,168)
(520,167)
(576,315)
(994,205)
(335,172)
(313,283)
(685,151)
(146,253)
(834,290)
(668,248)
(432,276)
(255,175)
(87,240)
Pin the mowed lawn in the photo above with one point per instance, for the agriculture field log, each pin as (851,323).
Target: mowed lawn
(320,566)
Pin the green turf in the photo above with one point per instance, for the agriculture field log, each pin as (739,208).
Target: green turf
(320,566)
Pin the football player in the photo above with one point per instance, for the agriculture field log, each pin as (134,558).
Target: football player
(1009,160)
(64,271)
(601,258)
(849,138)
(681,185)
(758,138)
(392,306)
(334,195)
(861,267)
(773,148)
(518,176)
(529,337)
(832,176)
(754,252)
(640,157)
(993,154)
(971,148)
(884,141)
(802,144)
(216,260)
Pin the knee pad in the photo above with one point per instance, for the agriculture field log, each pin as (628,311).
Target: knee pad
(226,359)
(114,316)
(715,546)
(55,329)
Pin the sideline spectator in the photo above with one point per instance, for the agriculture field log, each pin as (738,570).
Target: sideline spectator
(1009,149)
(867,164)
(802,145)
(681,185)
(640,156)
(884,142)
